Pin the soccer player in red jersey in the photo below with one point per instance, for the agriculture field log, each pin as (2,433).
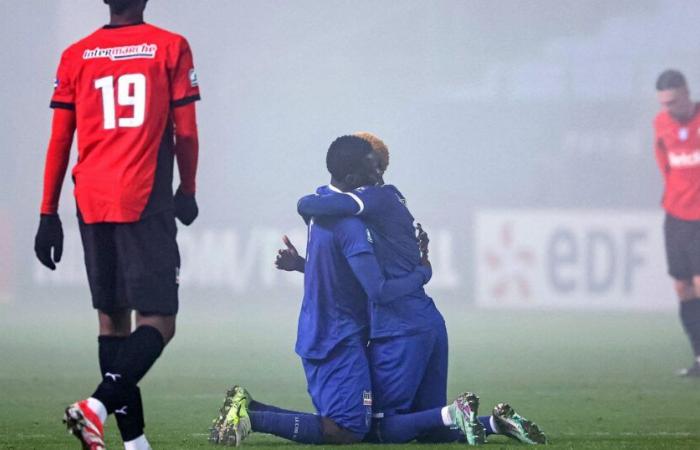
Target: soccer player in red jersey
(677,146)
(128,89)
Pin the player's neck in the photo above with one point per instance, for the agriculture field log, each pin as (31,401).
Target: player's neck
(126,18)
(339,185)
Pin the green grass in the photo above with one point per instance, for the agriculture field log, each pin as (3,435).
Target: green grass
(591,381)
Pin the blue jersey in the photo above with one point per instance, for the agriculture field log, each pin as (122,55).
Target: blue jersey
(383,208)
(335,305)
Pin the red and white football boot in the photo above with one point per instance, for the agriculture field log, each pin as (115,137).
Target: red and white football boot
(85,424)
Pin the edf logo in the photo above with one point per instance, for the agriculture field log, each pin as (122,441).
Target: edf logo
(596,261)
(570,258)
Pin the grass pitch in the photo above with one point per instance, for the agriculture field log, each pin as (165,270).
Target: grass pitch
(591,381)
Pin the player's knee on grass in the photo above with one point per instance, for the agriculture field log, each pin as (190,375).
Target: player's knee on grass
(333,434)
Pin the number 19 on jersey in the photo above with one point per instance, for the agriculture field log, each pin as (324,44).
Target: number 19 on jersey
(131,91)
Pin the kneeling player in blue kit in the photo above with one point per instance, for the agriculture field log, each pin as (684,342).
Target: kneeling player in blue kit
(408,347)
(341,275)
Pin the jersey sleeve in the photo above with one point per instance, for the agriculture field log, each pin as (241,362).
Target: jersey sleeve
(365,201)
(373,200)
(378,288)
(331,204)
(353,237)
(64,85)
(184,87)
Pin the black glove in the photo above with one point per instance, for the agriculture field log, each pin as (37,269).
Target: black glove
(48,236)
(185,207)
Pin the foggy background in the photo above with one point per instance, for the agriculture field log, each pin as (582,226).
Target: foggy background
(520,132)
(508,123)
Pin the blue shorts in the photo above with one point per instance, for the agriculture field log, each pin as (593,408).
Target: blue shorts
(409,373)
(340,386)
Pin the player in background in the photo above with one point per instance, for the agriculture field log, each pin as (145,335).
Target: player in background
(677,148)
(408,349)
(128,89)
(341,276)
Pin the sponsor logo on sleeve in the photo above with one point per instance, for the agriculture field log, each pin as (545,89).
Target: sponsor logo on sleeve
(193,78)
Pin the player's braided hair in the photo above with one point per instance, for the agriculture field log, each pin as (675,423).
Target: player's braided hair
(345,156)
(378,146)
(670,79)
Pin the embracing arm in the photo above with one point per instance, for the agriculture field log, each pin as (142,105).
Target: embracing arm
(379,289)
(334,204)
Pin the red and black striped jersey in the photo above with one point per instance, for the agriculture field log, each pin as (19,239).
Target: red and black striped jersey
(122,83)
(677,147)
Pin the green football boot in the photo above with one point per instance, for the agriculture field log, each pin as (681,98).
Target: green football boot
(221,431)
(236,426)
(218,422)
(464,411)
(516,426)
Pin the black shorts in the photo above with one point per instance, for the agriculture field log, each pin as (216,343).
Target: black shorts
(133,265)
(682,238)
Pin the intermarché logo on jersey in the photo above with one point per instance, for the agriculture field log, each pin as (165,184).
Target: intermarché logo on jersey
(122,53)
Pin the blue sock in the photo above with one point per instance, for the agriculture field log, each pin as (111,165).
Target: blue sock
(402,428)
(486,422)
(298,427)
(258,406)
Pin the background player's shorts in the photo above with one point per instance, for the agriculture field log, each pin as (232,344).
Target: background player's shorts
(340,386)
(409,373)
(133,265)
(682,238)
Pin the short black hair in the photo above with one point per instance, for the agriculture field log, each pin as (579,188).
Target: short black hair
(670,79)
(119,6)
(345,155)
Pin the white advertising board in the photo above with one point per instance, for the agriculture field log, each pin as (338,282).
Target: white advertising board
(584,259)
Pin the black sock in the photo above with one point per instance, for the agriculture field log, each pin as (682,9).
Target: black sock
(130,415)
(138,353)
(108,348)
(690,318)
